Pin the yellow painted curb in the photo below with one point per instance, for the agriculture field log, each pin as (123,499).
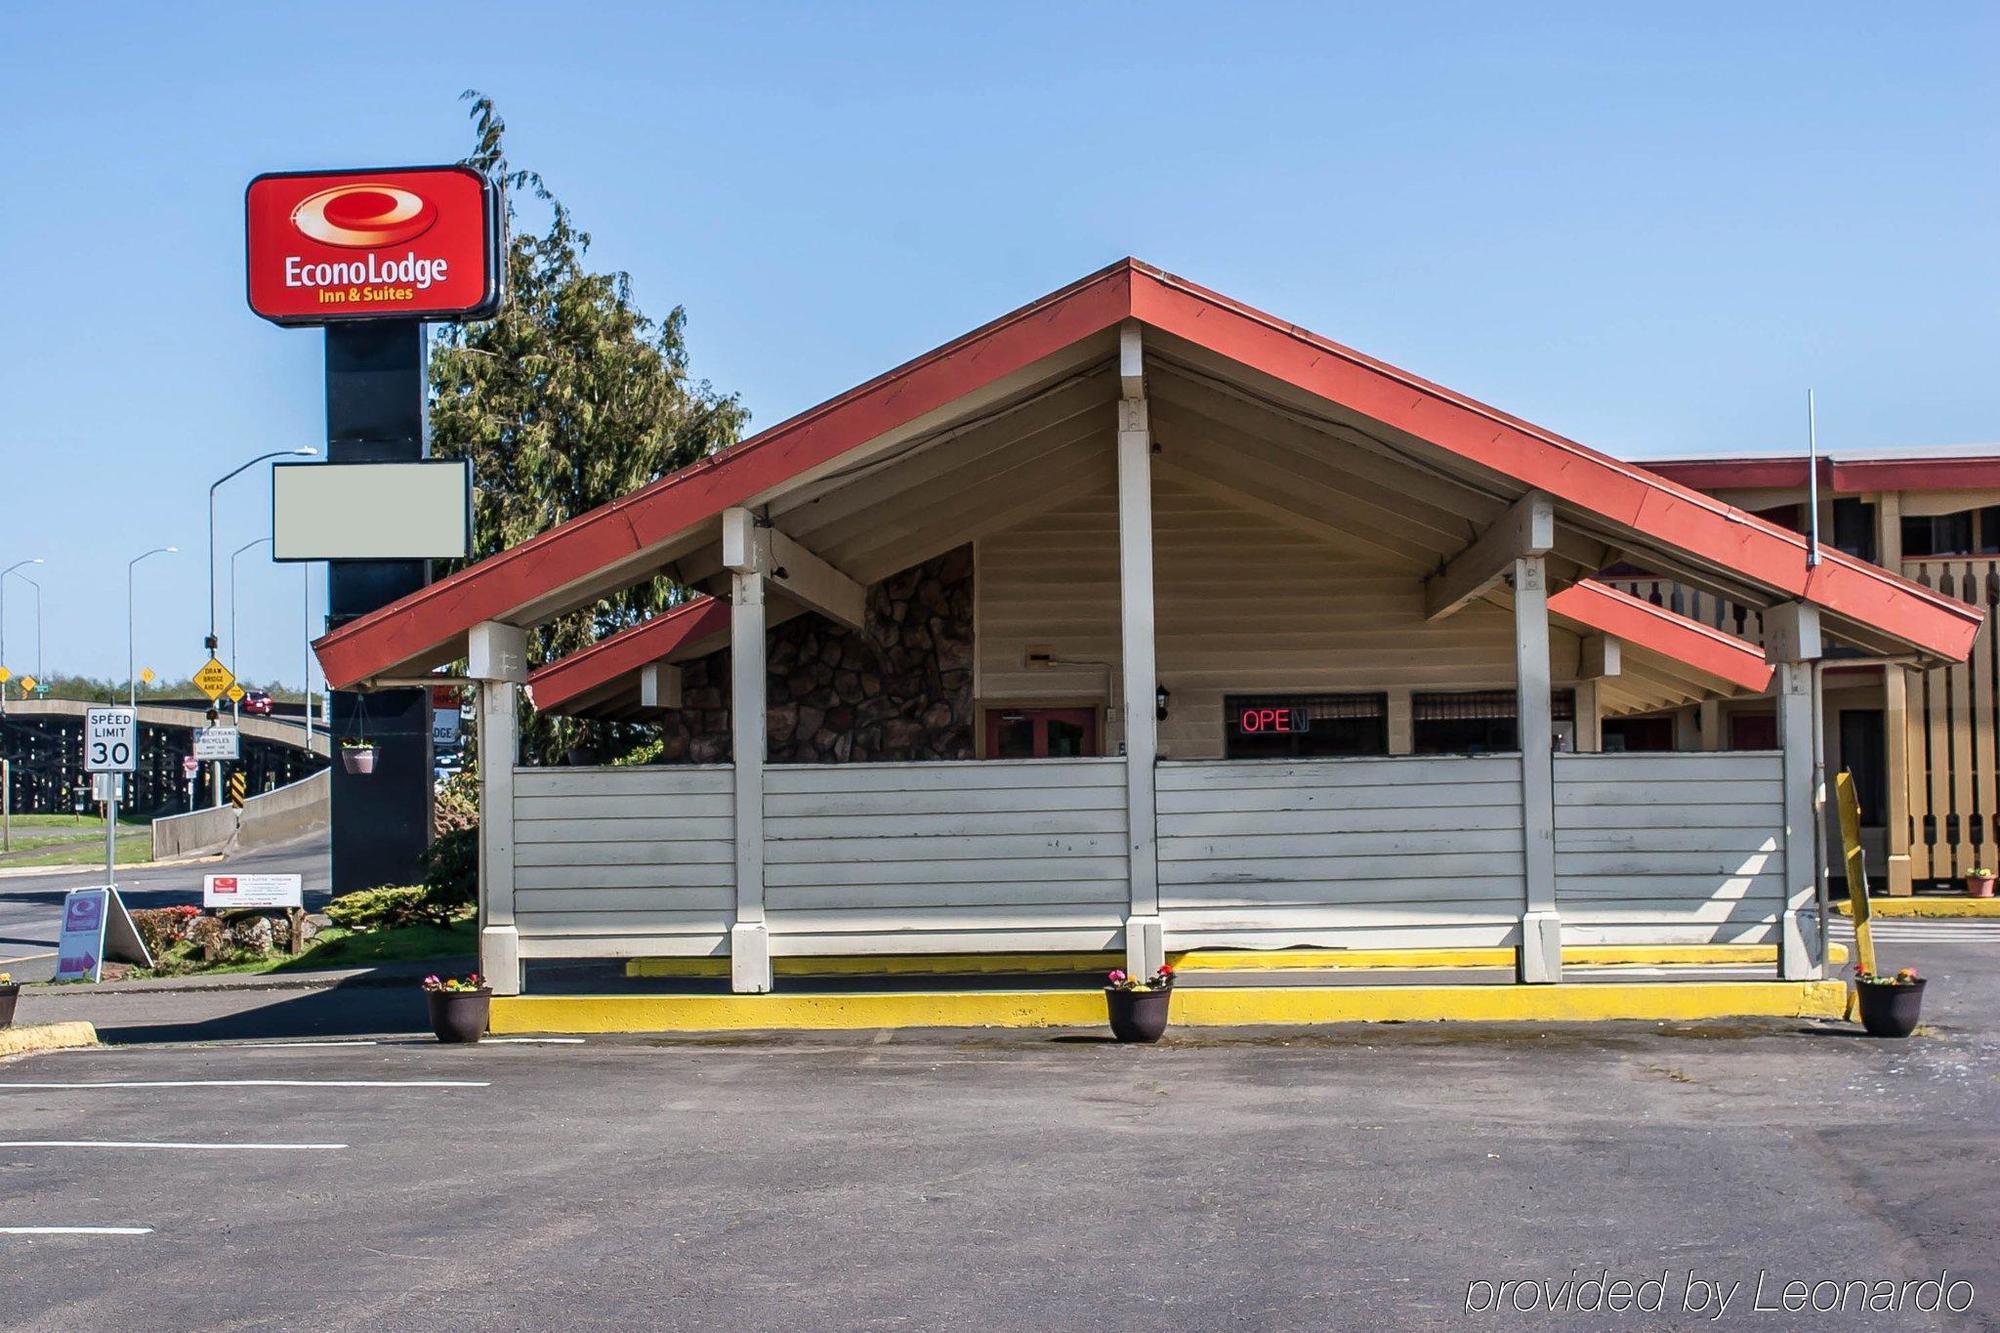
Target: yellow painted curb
(1213,960)
(1193,1007)
(46,1037)
(1927,907)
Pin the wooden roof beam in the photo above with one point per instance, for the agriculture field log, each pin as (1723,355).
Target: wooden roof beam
(1528,528)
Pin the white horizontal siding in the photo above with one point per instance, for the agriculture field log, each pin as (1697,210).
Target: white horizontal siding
(916,857)
(1669,848)
(1358,853)
(618,861)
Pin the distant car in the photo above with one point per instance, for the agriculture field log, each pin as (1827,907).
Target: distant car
(258,702)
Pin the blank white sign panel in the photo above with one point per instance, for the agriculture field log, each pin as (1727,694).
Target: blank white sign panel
(372,511)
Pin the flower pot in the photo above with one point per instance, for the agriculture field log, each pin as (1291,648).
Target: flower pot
(1891,1010)
(1139,1015)
(460,1015)
(10,994)
(358,759)
(1979,886)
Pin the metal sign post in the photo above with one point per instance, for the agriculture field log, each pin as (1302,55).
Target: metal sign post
(111,746)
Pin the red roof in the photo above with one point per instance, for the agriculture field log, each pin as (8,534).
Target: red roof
(1668,633)
(1838,477)
(588,669)
(427,625)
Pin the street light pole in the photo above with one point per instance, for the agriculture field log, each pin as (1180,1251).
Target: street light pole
(131,654)
(305,570)
(235,708)
(36,560)
(38,621)
(303,451)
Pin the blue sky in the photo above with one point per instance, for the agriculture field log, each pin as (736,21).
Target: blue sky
(1650,229)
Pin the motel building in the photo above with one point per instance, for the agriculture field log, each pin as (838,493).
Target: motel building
(1139,622)
(1923,744)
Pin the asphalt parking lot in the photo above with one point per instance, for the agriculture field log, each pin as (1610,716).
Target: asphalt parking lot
(1284,1179)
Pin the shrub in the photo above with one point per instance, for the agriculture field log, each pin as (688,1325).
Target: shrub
(396,905)
(456,805)
(451,870)
(163,927)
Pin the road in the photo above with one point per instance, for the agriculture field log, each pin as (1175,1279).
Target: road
(31,905)
(1348,1177)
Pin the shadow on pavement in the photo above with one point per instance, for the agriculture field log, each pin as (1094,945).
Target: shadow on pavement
(335,1011)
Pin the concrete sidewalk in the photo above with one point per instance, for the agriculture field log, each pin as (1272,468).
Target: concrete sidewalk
(345,1002)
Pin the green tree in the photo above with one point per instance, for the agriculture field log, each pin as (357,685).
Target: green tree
(569,398)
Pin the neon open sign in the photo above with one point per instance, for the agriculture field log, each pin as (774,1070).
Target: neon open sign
(1273,720)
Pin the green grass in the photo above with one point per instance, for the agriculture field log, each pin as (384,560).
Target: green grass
(53,840)
(335,947)
(133,848)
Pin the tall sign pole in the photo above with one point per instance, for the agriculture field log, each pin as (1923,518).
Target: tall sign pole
(372,256)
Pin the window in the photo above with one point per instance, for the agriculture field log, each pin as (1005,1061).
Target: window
(1861,754)
(1041,733)
(1631,734)
(1854,528)
(1305,726)
(1944,534)
(1476,721)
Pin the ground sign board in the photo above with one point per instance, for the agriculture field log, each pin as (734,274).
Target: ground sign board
(95,926)
(233,891)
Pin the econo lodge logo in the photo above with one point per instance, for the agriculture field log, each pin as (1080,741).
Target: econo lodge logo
(403,242)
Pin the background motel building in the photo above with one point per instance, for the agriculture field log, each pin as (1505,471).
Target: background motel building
(1035,618)
(1923,745)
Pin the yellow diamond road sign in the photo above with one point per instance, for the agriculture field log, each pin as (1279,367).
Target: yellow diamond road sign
(213,678)
(27,683)
(5,675)
(146,674)
(235,693)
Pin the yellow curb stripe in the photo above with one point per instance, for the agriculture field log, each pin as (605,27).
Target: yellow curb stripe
(46,1037)
(1927,907)
(1193,1007)
(1214,960)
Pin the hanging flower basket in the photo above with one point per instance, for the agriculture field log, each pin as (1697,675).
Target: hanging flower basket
(1890,1006)
(1138,1009)
(357,756)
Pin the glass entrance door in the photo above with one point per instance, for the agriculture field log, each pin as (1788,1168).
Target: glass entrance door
(1041,733)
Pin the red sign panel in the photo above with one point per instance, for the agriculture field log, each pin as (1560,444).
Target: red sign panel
(395,243)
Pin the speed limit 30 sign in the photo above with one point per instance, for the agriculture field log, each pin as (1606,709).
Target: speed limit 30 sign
(111,740)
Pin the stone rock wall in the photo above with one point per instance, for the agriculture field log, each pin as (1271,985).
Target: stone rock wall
(899,690)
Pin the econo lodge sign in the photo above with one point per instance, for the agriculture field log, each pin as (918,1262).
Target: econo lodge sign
(392,243)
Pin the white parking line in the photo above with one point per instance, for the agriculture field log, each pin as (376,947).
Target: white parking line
(193,1147)
(76,1231)
(286,1045)
(250,1083)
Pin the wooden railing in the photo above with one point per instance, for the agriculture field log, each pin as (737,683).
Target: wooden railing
(1745,622)
(1953,738)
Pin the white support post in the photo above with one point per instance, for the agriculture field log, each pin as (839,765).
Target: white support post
(499,751)
(1402,723)
(749,938)
(1589,717)
(1792,643)
(497,657)
(1711,738)
(1541,926)
(1144,944)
